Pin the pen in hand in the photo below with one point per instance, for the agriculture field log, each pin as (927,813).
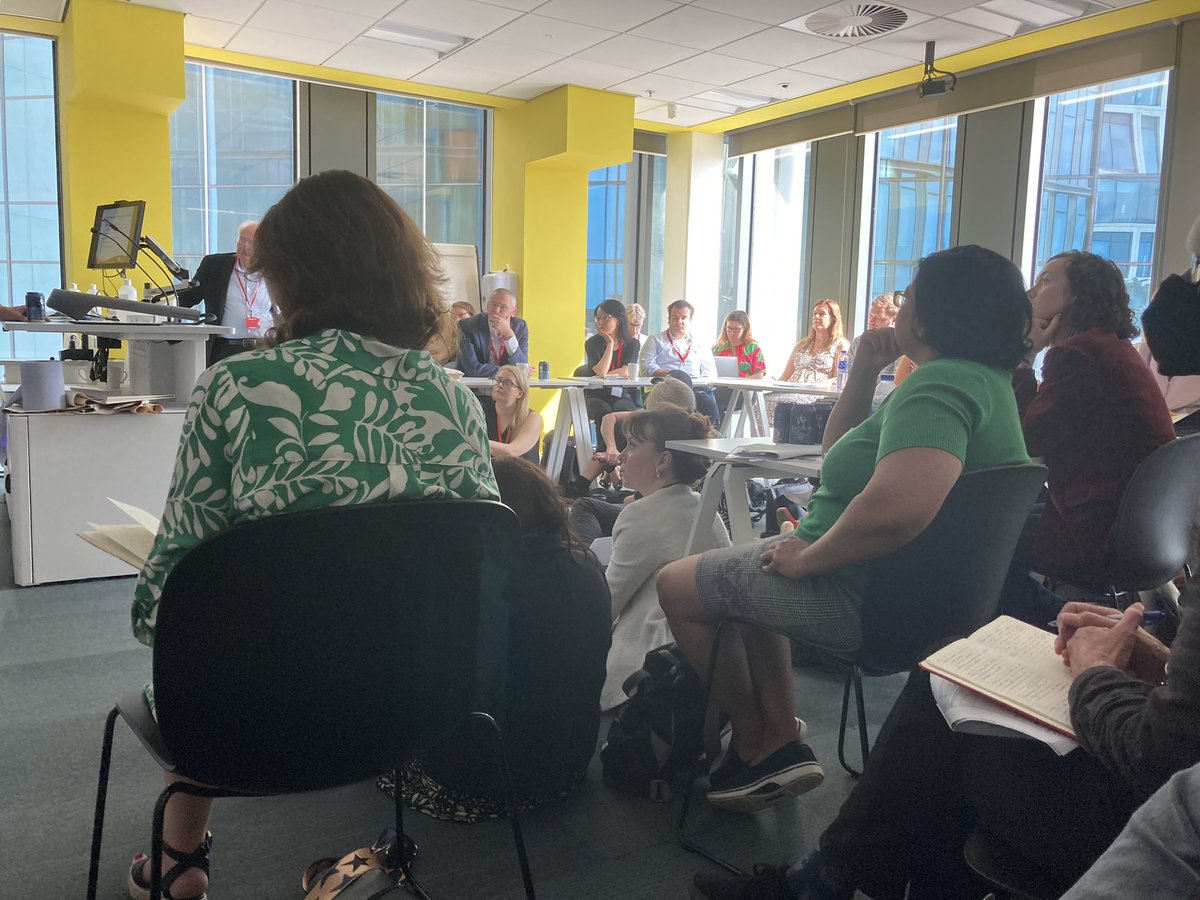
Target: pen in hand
(1149,617)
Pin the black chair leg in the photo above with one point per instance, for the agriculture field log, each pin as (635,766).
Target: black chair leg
(853,678)
(101,798)
(510,802)
(403,858)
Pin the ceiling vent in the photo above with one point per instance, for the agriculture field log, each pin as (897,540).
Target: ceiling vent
(859,20)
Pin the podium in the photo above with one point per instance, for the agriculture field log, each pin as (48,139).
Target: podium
(63,467)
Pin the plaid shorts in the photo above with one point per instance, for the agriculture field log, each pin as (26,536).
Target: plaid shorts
(819,609)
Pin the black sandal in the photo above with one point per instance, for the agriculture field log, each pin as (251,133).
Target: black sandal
(197,859)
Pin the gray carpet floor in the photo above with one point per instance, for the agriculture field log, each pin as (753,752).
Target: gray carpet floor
(65,655)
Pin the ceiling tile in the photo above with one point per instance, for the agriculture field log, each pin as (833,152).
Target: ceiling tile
(772,84)
(504,59)
(679,114)
(208,32)
(615,15)
(375,8)
(770,12)
(780,47)
(51,10)
(663,87)
(448,73)
(712,68)
(384,58)
(464,17)
(938,7)
(282,46)
(523,5)
(951,38)
(695,27)
(584,72)
(222,10)
(991,21)
(636,53)
(1028,11)
(913,17)
(852,63)
(549,35)
(642,104)
(524,89)
(309,21)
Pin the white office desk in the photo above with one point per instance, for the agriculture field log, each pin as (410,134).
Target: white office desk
(748,396)
(728,477)
(62,467)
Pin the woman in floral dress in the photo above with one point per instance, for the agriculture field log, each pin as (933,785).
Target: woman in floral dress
(345,405)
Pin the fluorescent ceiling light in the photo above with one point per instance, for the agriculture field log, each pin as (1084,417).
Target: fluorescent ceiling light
(411,36)
(739,99)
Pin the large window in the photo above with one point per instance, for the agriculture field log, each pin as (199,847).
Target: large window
(1101,167)
(914,191)
(30,236)
(233,154)
(626,223)
(764,233)
(430,157)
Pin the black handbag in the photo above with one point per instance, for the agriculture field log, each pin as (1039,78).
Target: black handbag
(1172,326)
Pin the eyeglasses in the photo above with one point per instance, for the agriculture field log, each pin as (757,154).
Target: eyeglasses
(603,317)
(898,297)
(506,384)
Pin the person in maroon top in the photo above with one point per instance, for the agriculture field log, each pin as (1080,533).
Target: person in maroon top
(1096,414)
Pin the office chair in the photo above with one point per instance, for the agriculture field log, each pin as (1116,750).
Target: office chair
(942,585)
(316,649)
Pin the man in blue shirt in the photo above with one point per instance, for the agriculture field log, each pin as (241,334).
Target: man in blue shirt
(674,350)
(493,338)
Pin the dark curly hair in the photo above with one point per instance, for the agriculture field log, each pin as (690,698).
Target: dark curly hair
(337,252)
(669,423)
(1099,297)
(971,303)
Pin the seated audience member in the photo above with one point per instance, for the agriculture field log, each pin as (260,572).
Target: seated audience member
(674,349)
(494,338)
(1094,417)
(1181,392)
(882,314)
(814,359)
(356,286)
(883,479)
(559,632)
(592,517)
(650,532)
(737,341)
(513,428)
(636,314)
(462,309)
(925,787)
(612,350)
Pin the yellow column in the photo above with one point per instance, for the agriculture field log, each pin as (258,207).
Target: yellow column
(120,78)
(543,152)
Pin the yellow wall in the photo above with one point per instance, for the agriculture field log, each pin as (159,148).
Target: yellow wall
(120,77)
(543,152)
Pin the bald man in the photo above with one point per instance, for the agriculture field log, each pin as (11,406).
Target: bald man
(233,295)
(494,338)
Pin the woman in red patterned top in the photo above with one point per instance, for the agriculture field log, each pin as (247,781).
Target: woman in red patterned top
(736,340)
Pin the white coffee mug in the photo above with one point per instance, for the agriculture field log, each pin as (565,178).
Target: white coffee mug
(117,374)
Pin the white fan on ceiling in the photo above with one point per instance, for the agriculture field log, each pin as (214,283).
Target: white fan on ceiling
(857,20)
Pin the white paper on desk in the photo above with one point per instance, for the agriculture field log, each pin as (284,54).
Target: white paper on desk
(143,518)
(970,713)
(775,451)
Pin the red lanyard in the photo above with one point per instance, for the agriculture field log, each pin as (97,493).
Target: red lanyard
(682,357)
(505,436)
(250,298)
(617,360)
(497,354)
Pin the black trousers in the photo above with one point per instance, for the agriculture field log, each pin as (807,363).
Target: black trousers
(925,788)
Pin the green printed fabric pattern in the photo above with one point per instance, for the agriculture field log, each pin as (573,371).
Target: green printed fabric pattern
(328,420)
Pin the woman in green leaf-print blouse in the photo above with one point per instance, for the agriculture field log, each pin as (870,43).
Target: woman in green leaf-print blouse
(346,405)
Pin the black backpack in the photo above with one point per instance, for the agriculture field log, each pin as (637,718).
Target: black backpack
(663,730)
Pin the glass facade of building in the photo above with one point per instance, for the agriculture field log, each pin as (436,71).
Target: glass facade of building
(233,154)
(1101,166)
(30,231)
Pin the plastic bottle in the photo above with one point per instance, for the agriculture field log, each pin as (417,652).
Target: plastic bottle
(843,369)
(93,289)
(146,289)
(887,384)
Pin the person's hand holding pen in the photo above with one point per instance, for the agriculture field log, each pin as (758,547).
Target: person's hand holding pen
(1090,635)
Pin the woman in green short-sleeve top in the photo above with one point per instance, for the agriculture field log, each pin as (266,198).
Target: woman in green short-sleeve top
(347,405)
(965,321)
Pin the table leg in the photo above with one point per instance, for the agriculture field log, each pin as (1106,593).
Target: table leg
(558,444)
(583,426)
(710,501)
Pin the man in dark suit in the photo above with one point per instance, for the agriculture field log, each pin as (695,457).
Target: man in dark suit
(233,296)
(493,338)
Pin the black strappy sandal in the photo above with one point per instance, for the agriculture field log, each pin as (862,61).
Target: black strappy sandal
(197,859)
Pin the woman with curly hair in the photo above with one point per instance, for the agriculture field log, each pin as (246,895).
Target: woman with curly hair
(1097,412)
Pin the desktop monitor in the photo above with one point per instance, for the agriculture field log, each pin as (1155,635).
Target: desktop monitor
(116,235)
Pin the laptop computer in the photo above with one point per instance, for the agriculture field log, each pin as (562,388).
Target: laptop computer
(727,366)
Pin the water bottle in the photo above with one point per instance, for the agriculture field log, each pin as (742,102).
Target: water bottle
(887,384)
(843,369)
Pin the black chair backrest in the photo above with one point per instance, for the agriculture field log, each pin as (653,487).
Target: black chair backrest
(946,582)
(314,649)
(1153,531)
